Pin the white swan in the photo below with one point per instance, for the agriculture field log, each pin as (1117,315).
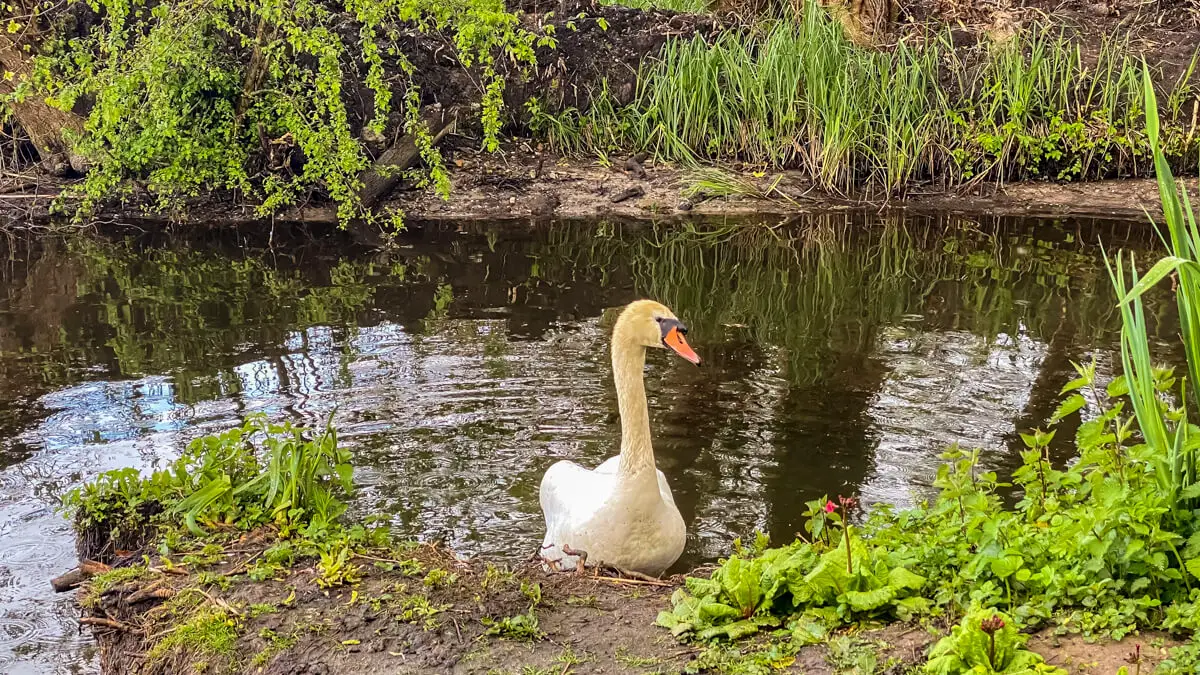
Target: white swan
(621,514)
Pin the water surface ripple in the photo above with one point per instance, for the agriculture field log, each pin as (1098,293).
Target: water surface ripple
(841,352)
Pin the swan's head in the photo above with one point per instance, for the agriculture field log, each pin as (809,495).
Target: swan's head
(651,324)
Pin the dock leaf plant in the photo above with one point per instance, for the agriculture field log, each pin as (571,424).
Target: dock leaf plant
(1107,545)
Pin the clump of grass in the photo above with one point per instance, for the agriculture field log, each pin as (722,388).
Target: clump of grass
(521,627)
(797,93)
(705,183)
(209,633)
(689,6)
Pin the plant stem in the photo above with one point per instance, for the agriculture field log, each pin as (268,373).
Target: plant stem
(849,561)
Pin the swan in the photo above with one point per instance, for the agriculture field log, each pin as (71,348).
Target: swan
(622,513)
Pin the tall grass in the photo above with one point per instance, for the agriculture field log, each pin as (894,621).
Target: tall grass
(1165,429)
(796,93)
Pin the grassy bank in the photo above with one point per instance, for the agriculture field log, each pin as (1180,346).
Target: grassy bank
(796,93)
(281,108)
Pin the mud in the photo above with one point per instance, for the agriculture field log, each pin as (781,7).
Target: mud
(290,625)
(511,187)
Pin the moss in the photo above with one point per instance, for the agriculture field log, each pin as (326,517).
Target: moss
(275,643)
(111,579)
(210,633)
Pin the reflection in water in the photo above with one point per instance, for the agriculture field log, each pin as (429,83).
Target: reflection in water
(842,353)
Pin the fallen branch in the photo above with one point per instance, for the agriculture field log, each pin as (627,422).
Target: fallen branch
(384,175)
(104,623)
(72,579)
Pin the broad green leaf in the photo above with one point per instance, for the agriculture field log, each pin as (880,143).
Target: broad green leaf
(1069,405)
(1118,387)
(1006,566)
(1193,567)
(864,601)
(901,578)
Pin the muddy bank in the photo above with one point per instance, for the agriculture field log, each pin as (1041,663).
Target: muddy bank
(572,188)
(514,187)
(420,609)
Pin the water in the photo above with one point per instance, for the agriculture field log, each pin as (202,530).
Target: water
(841,353)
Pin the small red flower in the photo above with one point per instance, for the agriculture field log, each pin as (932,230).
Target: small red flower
(830,507)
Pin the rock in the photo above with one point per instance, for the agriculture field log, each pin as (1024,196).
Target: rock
(543,204)
(684,205)
(629,193)
(634,166)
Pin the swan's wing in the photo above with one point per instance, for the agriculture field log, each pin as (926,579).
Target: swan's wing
(665,489)
(610,467)
(569,491)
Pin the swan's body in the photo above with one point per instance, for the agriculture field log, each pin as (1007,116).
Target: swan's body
(620,514)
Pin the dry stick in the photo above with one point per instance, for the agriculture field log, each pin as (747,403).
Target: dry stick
(105,623)
(636,582)
(242,565)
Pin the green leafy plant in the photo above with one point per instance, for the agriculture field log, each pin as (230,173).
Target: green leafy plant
(225,479)
(521,627)
(189,96)
(985,642)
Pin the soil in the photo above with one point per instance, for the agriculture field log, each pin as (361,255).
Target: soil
(587,624)
(509,186)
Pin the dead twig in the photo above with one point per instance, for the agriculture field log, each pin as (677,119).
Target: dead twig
(104,623)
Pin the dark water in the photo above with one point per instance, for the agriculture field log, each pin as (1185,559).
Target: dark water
(841,355)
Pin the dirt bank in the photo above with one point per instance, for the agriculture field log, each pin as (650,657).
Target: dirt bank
(511,186)
(419,609)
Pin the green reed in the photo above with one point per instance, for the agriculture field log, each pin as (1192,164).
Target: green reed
(795,93)
(1165,428)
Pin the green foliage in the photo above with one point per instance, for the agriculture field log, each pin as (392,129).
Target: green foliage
(522,627)
(275,643)
(335,567)
(796,93)
(287,480)
(689,6)
(259,97)
(745,595)
(1094,547)
(1165,427)
(985,642)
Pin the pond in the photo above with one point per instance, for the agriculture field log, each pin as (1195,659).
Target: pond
(841,354)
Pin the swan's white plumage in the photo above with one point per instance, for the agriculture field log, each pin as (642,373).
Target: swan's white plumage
(594,511)
(621,513)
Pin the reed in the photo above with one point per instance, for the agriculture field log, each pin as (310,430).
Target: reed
(1164,428)
(795,93)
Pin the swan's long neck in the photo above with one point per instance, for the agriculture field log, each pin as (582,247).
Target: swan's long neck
(637,455)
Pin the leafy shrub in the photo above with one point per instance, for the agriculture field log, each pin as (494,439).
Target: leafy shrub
(259,97)
(1094,547)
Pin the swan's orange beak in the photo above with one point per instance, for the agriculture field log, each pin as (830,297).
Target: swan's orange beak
(674,340)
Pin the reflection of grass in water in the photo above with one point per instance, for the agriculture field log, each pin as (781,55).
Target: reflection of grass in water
(824,291)
(167,310)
